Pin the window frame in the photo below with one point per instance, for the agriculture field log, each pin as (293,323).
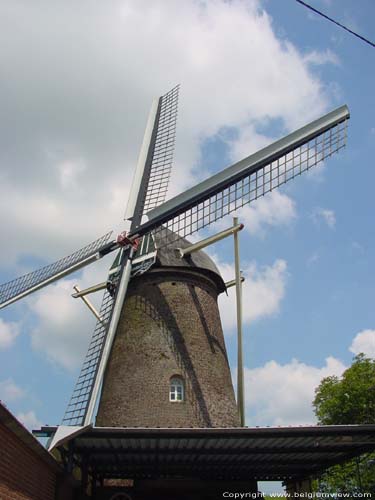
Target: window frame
(176,389)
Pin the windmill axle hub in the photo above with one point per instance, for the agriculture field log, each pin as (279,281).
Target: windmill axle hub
(123,240)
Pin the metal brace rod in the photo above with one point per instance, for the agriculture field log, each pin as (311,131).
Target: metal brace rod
(88,303)
(183,252)
(91,289)
(231,283)
(240,377)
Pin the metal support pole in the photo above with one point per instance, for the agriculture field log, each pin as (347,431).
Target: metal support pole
(240,380)
(91,289)
(231,283)
(88,303)
(120,297)
(183,252)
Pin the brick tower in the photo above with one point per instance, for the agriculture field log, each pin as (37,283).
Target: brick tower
(168,366)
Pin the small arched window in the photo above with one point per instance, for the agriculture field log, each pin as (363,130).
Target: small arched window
(176,389)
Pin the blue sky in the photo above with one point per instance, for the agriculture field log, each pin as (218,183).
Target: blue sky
(76,87)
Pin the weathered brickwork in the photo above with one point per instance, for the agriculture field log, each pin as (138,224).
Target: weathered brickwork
(27,470)
(170,325)
(23,475)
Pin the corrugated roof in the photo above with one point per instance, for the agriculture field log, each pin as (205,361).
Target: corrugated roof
(232,454)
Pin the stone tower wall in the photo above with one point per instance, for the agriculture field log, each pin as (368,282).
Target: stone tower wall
(170,325)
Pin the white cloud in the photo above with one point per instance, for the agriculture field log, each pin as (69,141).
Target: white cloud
(76,91)
(61,325)
(319,58)
(10,391)
(65,325)
(247,142)
(282,394)
(279,394)
(316,174)
(275,209)
(262,292)
(272,210)
(71,174)
(8,333)
(364,342)
(325,215)
(29,420)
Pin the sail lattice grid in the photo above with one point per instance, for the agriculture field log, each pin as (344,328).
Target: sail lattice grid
(254,183)
(29,282)
(77,407)
(163,151)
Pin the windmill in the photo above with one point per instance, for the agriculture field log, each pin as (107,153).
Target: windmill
(168,224)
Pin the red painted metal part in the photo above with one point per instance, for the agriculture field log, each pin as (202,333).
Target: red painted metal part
(123,240)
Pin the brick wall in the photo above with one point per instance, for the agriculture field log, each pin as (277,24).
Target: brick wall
(170,325)
(23,475)
(27,470)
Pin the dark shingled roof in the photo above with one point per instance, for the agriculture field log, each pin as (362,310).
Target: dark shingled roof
(167,243)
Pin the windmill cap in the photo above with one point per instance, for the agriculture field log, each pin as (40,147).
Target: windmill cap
(167,246)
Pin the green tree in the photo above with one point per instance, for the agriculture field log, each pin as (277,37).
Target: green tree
(349,400)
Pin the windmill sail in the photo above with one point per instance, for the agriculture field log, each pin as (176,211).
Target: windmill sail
(162,156)
(24,285)
(149,189)
(151,177)
(76,410)
(254,176)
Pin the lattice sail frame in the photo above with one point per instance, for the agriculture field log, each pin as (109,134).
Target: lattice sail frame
(250,178)
(163,150)
(24,285)
(76,410)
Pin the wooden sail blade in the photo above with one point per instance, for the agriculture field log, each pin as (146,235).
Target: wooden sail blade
(29,283)
(252,177)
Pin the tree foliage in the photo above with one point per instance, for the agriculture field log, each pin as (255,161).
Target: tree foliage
(349,400)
